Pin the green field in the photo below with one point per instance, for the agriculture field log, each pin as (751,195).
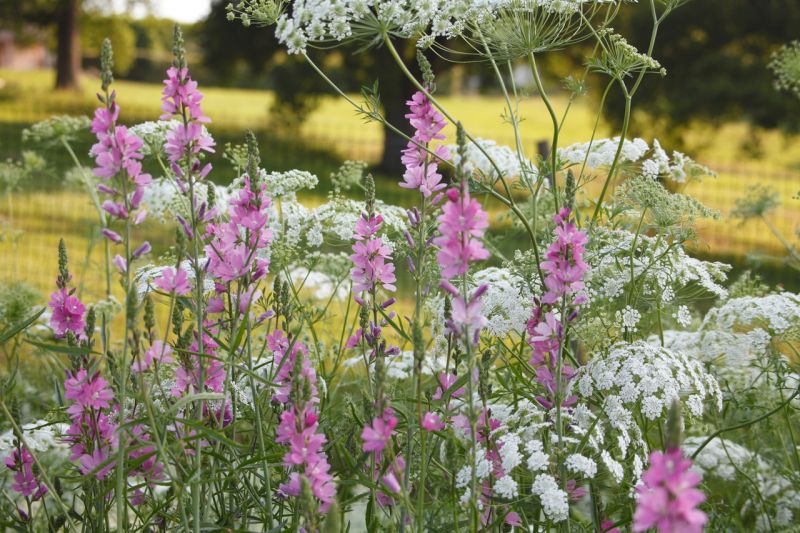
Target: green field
(42,212)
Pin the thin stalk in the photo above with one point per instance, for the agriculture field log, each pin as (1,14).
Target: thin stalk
(556,125)
(259,426)
(626,120)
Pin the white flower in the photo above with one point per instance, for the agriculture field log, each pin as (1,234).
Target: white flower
(507,302)
(40,436)
(509,452)
(755,480)
(287,183)
(506,487)
(629,317)
(601,152)
(322,285)
(613,466)
(555,501)
(578,463)
(503,158)
(683,316)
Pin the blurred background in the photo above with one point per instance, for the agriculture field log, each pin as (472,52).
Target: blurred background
(718,104)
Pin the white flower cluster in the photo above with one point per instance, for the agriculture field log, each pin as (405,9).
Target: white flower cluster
(163,200)
(339,20)
(504,158)
(555,502)
(735,338)
(767,490)
(653,264)
(775,312)
(339,216)
(402,366)
(641,377)
(634,384)
(601,152)
(287,183)
(507,303)
(40,436)
(629,318)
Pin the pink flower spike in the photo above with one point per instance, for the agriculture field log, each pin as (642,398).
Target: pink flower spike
(668,497)
(431,422)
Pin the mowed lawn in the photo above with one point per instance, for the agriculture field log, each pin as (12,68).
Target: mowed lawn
(28,241)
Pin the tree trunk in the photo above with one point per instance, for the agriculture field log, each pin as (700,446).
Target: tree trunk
(395,89)
(68,60)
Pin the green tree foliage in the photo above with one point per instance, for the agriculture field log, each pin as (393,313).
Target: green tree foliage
(123,39)
(716,53)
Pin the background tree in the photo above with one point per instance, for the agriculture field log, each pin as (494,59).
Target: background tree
(717,71)
(64,18)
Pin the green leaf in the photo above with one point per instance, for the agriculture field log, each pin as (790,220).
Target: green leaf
(20,326)
(69,350)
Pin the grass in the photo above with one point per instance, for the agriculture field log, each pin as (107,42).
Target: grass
(45,210)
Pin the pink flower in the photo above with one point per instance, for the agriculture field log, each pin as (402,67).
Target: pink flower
(25,483)
(469,314)
(367,226)
(97,462)
(249,208)
(377,435)
(426,120)
(187,380)
(105,118)
(159,351)
(67,314)
(372,266)
(87,392)
(446,381)
(461,225)
(173,280)
(393,474)
(607,526)
(564,261)
(668,497)
(424,177)
(431,422)
(180,92)
(232,252)
(111,235)
(422,173)
(513,519)
(190,139)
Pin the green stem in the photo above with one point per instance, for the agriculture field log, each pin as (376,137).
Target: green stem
(556,126)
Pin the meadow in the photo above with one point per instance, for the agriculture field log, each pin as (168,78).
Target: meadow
(489,340)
